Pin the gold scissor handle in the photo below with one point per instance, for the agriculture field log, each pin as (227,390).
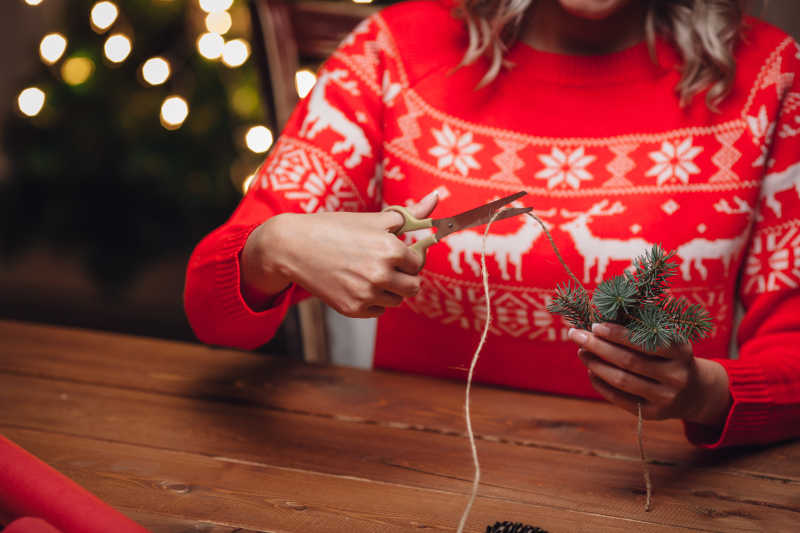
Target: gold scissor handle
(412,223)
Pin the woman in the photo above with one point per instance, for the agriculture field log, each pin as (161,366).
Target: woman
(629,122)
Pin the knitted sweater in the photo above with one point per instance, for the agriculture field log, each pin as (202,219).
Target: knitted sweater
(611,162)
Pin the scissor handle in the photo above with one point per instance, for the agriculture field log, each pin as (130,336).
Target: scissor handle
(412,223)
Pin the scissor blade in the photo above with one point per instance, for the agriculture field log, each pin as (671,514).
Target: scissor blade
(475,217)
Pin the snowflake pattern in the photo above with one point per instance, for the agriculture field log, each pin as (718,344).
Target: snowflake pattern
(762,130)
(674,160)
(774,261)
(455,150)
(568,168)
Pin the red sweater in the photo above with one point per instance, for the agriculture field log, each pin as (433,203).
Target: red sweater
(611,163)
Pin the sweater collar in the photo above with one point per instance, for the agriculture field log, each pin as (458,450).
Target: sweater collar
(628,65)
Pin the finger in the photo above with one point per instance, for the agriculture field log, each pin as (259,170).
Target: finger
(386,299)
(624,381)
(408,261)
(620,335)
(623,357)
(425,207)
(403,284)
(393,221)
(373,311)
(618,398)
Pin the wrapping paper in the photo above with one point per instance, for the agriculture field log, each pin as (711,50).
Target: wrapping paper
(31,488)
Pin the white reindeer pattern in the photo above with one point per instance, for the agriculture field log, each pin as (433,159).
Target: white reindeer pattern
(778,182)
(696,250)
(596,249)
(322,115)
(507,248)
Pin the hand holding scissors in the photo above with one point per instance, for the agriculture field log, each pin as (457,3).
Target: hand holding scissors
(352,261)
(445,226)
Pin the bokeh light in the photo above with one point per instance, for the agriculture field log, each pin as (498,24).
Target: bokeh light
(155,70)
(52,47)
(103,15)
(248,181)
(174,111)
(258,139)
(304,81)
(76,70)
(117,48)
(31,101)
(245,100)
(33,2)
(212,6)
(210,45)
(235,53)
(219,22)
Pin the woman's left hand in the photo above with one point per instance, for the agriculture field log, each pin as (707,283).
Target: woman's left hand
(668,382)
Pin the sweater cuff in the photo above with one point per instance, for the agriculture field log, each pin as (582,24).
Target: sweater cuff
(748,418)
(254,326)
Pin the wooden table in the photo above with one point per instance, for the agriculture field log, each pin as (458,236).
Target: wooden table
(182,437)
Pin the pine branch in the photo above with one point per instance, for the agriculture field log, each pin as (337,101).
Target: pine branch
(653,270)
(615,299)
(638,301)
(690,322)
(573,304)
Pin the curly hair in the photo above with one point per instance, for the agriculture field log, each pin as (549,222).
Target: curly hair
(703,31)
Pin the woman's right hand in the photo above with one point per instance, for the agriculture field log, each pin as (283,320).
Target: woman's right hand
(352,261)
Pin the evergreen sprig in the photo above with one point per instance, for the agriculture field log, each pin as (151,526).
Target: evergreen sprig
(639,301)
(573,303)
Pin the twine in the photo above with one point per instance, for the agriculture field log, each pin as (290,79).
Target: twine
(467,415)
(477,477)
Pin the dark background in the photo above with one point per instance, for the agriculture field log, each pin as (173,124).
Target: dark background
(100,205)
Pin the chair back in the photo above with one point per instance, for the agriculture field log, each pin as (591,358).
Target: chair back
(286,35)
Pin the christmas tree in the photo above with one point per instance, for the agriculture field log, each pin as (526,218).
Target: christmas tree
(136,134)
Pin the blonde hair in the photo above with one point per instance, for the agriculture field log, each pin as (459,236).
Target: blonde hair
(703,31)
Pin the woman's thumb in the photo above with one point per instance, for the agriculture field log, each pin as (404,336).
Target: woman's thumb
(425,207)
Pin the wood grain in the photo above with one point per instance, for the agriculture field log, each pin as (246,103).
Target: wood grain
(685,497)
(371,397)
(227,494)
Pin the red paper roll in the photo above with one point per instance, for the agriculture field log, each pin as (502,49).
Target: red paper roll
(30,488)
(30,525)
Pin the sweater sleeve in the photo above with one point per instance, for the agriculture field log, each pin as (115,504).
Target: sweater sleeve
(765,379)
(326,159)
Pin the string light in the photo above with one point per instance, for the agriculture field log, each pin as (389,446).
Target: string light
(31,100)
(117,48)
(211,6)
(210,45)
(174,111)
(103,15)
(235,53)
(219,22)
(52,47)
(258,139)
(304,81)
(76,70)
(155,70)
(248,181)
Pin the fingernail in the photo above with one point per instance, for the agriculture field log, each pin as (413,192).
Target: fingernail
(430,196)
(601,329)
(577,335)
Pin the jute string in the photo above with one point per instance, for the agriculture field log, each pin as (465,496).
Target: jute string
(487,323)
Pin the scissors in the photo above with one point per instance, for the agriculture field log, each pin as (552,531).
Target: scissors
(445,226)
